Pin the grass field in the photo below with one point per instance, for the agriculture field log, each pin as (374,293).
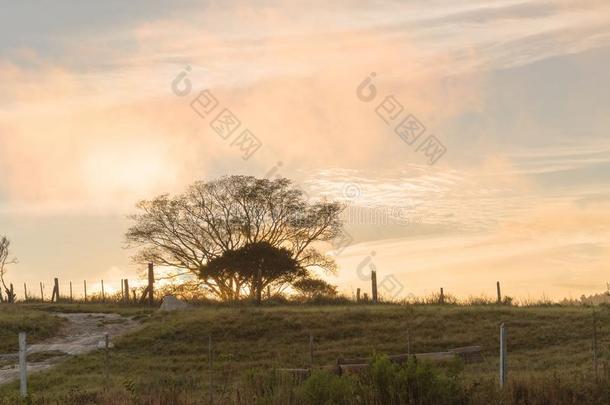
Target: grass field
(38,324)
(550,351)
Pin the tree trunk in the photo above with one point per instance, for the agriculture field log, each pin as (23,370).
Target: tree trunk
(259,286)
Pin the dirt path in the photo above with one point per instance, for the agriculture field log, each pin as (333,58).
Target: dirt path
(82,333)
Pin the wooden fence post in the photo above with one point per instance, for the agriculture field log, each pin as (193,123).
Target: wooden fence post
(374,286)
(70,291)
(503,354)
(55,295)
(11,298)
(441,298)
(41,293)
(151,282)
(85,285)
(23,365)
(103,293)
(126,290)
(358,295)
(499,293)
(122,290)
(25,292)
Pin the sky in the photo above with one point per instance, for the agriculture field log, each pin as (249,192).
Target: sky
(506,176)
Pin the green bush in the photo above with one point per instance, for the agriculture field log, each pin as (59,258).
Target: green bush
(387,383)
(324,388)
(414,382)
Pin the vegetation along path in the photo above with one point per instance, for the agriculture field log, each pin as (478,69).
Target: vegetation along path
(82,333)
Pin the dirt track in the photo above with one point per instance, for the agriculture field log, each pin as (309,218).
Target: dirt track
(82,333)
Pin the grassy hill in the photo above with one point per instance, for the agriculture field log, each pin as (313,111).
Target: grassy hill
(550,353)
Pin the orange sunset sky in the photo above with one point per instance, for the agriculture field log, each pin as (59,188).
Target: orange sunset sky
(95,114)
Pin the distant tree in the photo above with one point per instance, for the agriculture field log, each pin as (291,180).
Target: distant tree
(190,230)
(5,261)
(314,287)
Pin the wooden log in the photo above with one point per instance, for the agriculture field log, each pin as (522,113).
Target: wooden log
(347,369)
(402,358)
(358,295)
(41,293)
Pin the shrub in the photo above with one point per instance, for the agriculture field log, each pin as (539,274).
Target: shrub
(414,382)
(324,388)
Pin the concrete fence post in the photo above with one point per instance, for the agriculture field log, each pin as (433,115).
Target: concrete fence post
(107,357)
(23,370)
(503,355)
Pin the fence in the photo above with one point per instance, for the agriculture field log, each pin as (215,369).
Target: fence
(122,290)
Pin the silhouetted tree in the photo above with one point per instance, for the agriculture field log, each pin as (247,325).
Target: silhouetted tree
(191,229)
(5,261)
(255,267)
(314,287)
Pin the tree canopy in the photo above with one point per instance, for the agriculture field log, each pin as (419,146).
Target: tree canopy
(227,220)
(255,267)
